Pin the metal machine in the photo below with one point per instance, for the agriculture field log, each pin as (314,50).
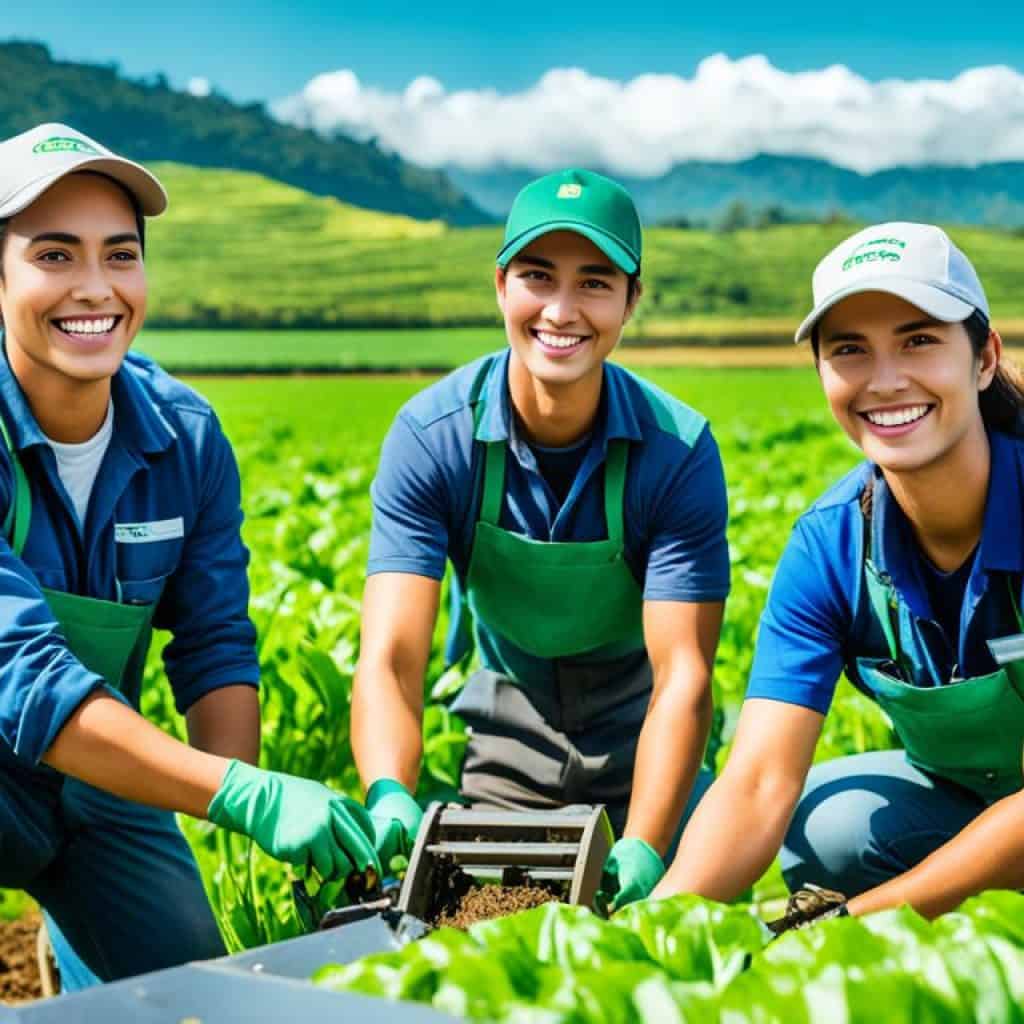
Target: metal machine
(564,848)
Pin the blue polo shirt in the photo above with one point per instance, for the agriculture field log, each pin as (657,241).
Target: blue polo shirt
(427,493)
(162,528)
(817,621)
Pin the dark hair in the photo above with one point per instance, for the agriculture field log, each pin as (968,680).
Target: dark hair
(632,286)
(1002,402)
(140,220)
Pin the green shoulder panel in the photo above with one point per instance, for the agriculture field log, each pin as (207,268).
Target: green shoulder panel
(673,416)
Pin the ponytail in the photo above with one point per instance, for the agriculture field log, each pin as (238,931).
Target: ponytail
(1002,402)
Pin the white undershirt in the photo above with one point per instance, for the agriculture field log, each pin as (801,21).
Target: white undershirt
(78,464)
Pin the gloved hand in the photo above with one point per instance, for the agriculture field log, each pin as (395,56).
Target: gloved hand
(296,820)
(631,871)
(396,819)
(808,906)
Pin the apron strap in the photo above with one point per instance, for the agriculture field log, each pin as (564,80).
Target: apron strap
(494,459)
(19,511)
(615,488)
(879,591)
(879,595)
(494,482)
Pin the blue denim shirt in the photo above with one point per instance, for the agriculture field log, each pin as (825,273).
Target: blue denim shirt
(162,528)
(818,620)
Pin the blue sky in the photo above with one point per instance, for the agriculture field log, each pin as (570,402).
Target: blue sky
(259,50)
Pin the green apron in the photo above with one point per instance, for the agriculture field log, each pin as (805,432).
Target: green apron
(555,599)
(109,638)
(970,731)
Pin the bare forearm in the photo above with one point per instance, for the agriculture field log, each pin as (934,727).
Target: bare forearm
(668,758)
(729,842)
(114,748)
(988,854)
(387,727)
(227,722)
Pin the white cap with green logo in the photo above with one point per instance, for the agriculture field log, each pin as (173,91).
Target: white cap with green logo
(916,262)
(33,161)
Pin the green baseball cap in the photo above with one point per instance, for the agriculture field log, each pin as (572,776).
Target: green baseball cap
(581,201)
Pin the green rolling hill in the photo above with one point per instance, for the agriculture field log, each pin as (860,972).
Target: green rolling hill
(239,250)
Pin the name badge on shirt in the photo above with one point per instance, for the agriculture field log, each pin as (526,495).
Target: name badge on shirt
(146,533)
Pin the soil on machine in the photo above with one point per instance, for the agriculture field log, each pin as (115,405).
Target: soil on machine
(459,901)
(19,971)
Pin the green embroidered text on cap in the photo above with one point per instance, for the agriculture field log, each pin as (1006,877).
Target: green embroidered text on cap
(61,144)
(877,250)
(915,262)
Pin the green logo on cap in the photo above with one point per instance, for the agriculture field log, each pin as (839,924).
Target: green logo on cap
(570,191)
(60,144)
(877,250)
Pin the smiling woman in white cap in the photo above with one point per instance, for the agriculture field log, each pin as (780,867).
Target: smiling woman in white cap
(119,511)
(906,575)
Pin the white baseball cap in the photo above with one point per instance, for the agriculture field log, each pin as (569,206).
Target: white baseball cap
(33,161)
(916,262)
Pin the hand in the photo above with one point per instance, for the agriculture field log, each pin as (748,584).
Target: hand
(296,820)
(631,871)
(396,819)
(808,906)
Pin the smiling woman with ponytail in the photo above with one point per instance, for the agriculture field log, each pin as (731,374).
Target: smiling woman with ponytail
(906,576)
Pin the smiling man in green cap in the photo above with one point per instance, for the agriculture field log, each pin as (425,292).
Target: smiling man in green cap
(583,511)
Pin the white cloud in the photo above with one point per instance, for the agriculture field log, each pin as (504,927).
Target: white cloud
(198,87)
(729,110)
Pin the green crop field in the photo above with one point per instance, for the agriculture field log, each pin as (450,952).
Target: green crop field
(307,449)
(239,250)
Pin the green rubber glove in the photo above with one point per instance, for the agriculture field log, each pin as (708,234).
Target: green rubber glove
(396,819)
(296,820)
(631,871)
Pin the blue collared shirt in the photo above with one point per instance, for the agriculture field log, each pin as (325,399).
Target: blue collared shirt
(817,621)
(168,464)
(427,493)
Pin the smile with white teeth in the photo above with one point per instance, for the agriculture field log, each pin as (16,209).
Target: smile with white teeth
(896,417)
(559,340)
(99,325)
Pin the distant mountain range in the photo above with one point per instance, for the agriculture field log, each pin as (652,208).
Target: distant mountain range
(796,187)
(151,121)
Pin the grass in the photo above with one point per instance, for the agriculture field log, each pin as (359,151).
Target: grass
(333,411)
(262,351)
(239,250)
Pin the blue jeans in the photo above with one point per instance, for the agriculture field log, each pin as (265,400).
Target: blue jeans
(116,878)
(866,818)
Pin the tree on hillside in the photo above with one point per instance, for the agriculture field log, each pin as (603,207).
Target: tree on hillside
(734,217)
(149,120)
